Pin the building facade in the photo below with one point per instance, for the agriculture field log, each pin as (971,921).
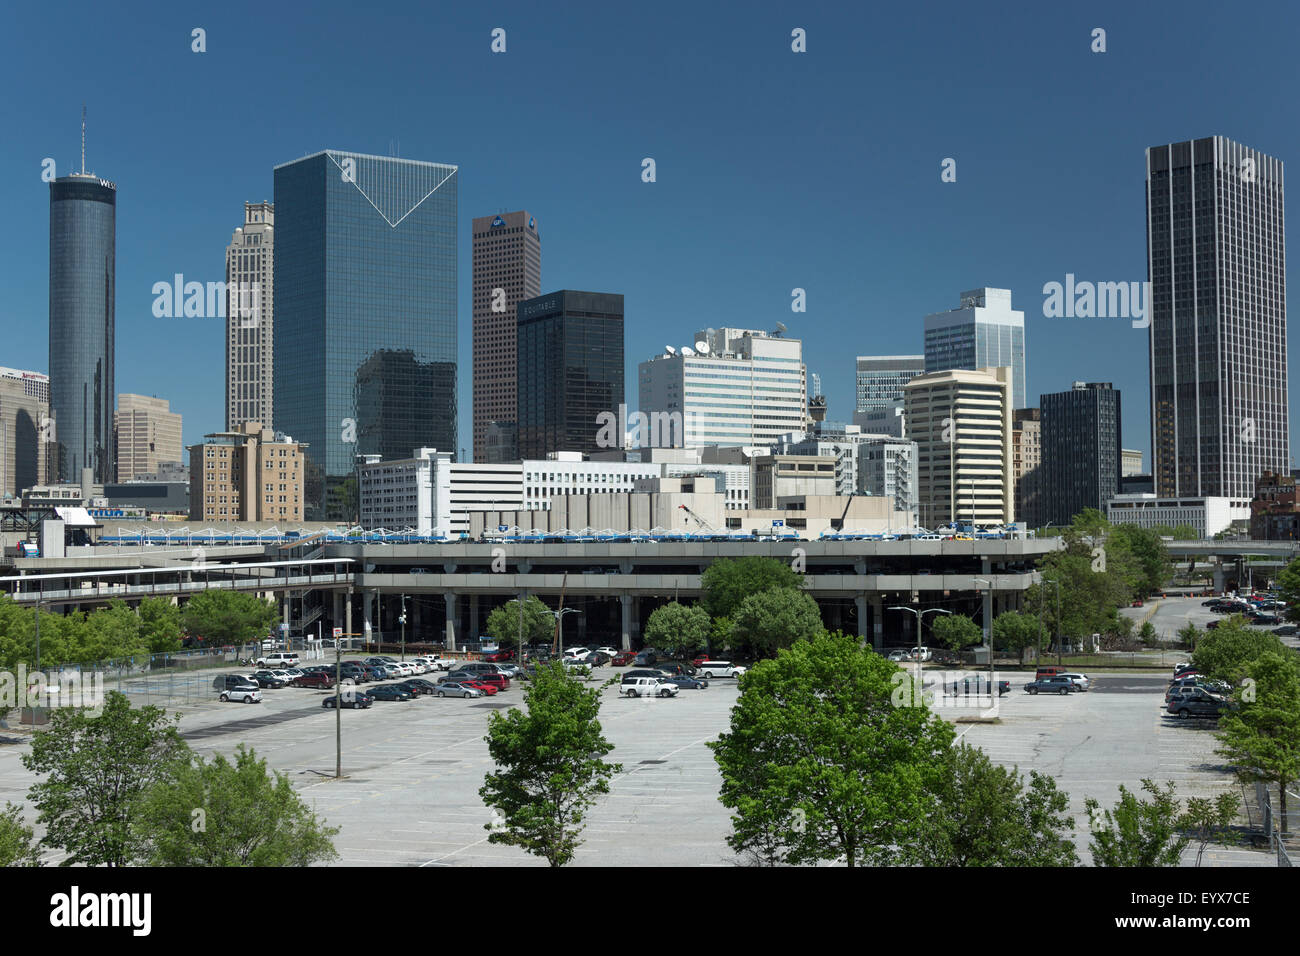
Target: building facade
(880,379)
(24,446)
(983,332)
(365,314)
(1081,450)
(83,277)
(148,435)
(1026,464)
(1216,261)
(1208,516)
(961,423)
(253,474)
(1130,462)
(569,348)
(887,467)
(507,251)
(250,318)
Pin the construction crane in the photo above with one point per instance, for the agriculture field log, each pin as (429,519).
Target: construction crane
(705,524)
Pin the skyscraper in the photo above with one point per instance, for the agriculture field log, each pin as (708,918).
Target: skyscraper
(83,239)
(1081,451)
(365,283)
(148,435)
(983,332)
(570,368)
(1216,261)
(507,270)
(24,405)
(250,320)
(881,379)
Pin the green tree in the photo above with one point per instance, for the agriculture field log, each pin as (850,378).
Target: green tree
(539,623)
(719,634)
(728,581)
(1208,820)
(1225,652)
(956,631)
(17,846)
(678,629)
(1145,556)
(820,764)
(223,618)
(550,766)
(1147,632)
(1261,736)
(773,619)
(1288,589)
(160,625)
(97,769)
(1137,832)
(1016,630)
(985,817)
(1188,635)
(222,814)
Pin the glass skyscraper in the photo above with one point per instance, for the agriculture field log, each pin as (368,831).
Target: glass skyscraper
(983,332)
(365,314)
(83,218)
(1216,261)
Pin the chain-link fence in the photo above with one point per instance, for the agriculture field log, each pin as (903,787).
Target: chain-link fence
(1278,828)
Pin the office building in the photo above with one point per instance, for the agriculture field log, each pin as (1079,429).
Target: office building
(1026,464)
(983,332)
(781,476)
(148,435)
(364,355)
(253,474)
(886,420)
(83,276)
(250,318)
(961,423)
(735,387)
(1275,509)
(1206,515)
(569,348)
(1216,261)
(507,252)
(24,406)
(880,379)
(887,467)
(1130,462)
(1081,450)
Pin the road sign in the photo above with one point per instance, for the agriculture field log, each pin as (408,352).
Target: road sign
(778,523)
(338,632)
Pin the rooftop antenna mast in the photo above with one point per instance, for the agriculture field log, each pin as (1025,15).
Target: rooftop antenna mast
(83,139)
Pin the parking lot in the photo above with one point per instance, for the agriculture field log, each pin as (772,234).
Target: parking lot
(413,768)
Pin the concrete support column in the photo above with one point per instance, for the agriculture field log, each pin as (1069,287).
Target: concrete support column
(450,637)
(864,631)
(625,605)
(475,628)
(877,622)
(336,612)
(347,614)
(284,613)
(367,615)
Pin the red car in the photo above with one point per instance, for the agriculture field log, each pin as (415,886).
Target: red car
(499,681)
(500,657)
(622,659)
(482,685)
(701,659)
(313,679)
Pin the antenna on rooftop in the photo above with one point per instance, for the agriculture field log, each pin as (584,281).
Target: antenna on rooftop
(83,139)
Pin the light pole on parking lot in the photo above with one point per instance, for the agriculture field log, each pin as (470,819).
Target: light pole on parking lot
(920,614)
(987,614)
(559,621)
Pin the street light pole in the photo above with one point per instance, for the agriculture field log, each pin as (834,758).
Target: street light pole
(920,614)
(402,618)
(987,612)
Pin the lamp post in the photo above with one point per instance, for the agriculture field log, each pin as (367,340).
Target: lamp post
(920,615)
(402,618)
(559,622)
(988,626)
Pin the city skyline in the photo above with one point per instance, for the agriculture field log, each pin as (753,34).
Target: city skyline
(1090,229)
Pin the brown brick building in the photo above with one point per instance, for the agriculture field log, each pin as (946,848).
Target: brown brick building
(248,475)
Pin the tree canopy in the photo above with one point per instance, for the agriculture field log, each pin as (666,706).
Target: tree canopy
(678,629)
(224,618)
(728,581)
(769,620)
(539,623)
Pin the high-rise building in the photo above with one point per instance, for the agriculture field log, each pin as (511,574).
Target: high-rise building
(83,276)
(983,332)
(507,269)
(881,379)
(1026,463)
(365,284)
(148,435)
(961,423)
(251,474)
(570,367)
(1216,261)
(887,466)
(250,318)
(1081,450)
(24,450)
(744,387)
(1130,462)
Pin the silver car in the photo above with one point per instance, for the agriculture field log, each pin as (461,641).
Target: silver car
(453,689)
(1081,681)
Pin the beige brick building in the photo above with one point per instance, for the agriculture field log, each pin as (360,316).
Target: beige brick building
(26,431)
(248,475)
(148,433)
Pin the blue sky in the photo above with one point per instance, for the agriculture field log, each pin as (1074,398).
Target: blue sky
(775,170)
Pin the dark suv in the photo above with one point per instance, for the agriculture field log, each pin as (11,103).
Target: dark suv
(1056,684)
(1197,702)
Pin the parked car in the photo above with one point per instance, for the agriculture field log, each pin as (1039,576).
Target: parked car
(245,692)
(609,652)
(975,684)
(510,670)
(577,667)
(647,687)
(686,682)
(500,657)
(499,681)
(622,659)
(720,669)
(314,679)
(641,672)
(597,659)
(451,688)
(488,690)
(899,656)
(1197,702)
(268,680)
(1081,681)
(389,692)
(426,687)
(1048,670)
(677,667)
(1285,630)
(1057,684)
(919,653)
(576,653)
(278,659)
(349,698)
(414,686)
(646,657)
(699,659)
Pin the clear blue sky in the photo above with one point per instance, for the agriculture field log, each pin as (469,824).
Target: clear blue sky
(775,170)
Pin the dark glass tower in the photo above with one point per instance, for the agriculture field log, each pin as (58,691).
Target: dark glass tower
(1081,451)
(1216,261)
(570,367)
(365,313)
(83,215)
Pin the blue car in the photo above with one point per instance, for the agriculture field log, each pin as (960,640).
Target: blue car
(685,682)
(388,692)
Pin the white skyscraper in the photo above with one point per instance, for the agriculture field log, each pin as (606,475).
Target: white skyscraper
(732,387)
(250,277)
(983,332)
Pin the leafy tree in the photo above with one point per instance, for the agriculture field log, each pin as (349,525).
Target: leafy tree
(1147,632)
(1137,832)
(1261,737)
(775,618)
(728,581)
(720,634)
(1145,554)
(678,628)
(1225,652)
(97,769)
(550,766)
(1188,635)
(225,618)
(819,763)
(1288,589)
(956,630)
(17,847)
(539,623)
(1208,820)
(222,814)
(1016,630)
(160,625)
(985,817)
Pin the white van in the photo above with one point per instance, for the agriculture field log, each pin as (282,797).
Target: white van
(718,669)
(278,659)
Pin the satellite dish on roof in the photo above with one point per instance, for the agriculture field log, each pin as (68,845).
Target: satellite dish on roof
(670,349)
(702,347)
(780,327)
(687,350)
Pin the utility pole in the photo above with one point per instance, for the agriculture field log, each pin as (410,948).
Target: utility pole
(338,699)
